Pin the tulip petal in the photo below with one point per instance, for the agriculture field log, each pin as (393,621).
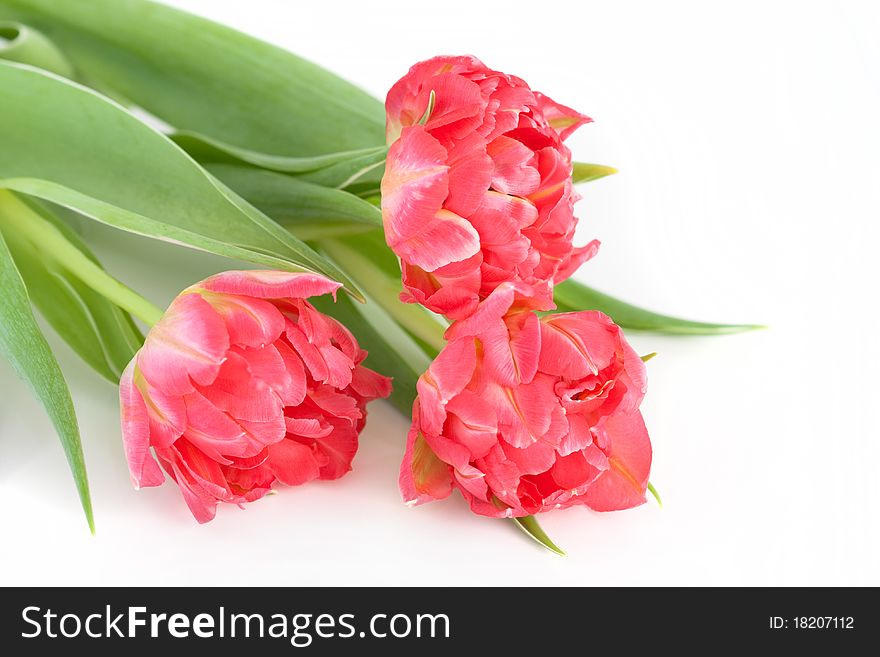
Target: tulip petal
(242,395)
(572,261)
(470,174)
(292,463)
(414,187)
(307,427)
(250,322)
(167,413)
(187,345)
(369,384)
(218,435)
(471,422)
(525,412)
(136,434)
(335,403)
(562,119)
(339,447)
(270,284)
(423,476)
(623,485)
(577,344)
(514,170)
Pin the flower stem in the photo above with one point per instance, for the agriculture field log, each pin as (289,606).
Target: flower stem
(25,224)
(385,291)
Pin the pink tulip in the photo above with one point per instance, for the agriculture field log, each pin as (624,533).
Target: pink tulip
(481,193)
(242,384)
(525,414)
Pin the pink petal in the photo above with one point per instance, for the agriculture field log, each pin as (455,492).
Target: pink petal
(369,384)
(511,349)
(249,322)
(167,413)
(294,390)
(269,284)
(340,447)
(623,485)
(264,433)
(335,403)
(292,463)
(525,412)
(307,427)
(472,423)
(514,170)
(339,366)
(201,469)
(188,344)
(266,364)
(533,459)
(577,257)
(216,434)
(488,316)
(446,377)
(414,187)
(423,476)
(444,239)
(458,101)
(136,434)
(470,174)
(573,471)
(562,119)
(577,344)
(578,436)
(201,504)
(308,352)
(454,295)
(242,395)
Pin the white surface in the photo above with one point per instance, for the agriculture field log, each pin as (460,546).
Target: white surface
(747,139)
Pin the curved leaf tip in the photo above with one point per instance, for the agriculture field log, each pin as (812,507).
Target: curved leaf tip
(529,525)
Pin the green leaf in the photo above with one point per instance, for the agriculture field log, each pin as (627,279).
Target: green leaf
(529,524)
(104,336)
(584,172)
(656,495)
(307,210)
(392,351)
(19,43)
(571,296)
(353,254)
(206,78)
(69,145)
(24,346)
(205,149)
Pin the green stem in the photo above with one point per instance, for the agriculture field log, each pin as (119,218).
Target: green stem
(17,217)
(385,291)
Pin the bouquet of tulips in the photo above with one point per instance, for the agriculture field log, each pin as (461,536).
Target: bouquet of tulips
(420,252)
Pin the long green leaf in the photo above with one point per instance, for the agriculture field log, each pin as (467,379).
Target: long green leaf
(571,296)
(24,346)
(307,210)
(67,144)
(19,43)
(206,149)
(207,78)
(98,331)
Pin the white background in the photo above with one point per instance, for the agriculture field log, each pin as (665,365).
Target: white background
(748,143)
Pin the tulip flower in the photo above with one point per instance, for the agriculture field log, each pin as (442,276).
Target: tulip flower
(477,188)
(524,414)
(243,384)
